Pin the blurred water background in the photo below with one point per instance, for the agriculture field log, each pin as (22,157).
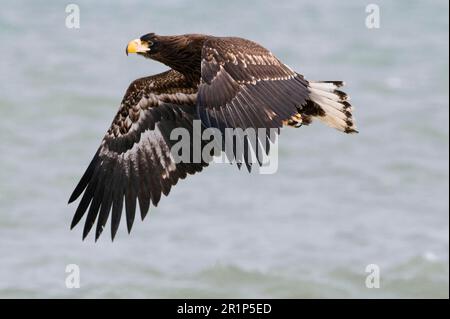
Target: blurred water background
(336,204)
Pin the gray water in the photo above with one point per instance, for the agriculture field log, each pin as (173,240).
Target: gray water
(336,204)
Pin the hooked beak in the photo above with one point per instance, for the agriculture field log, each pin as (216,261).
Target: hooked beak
(137,46)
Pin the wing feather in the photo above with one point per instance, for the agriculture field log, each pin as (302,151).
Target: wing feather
(134,162)
(243,85)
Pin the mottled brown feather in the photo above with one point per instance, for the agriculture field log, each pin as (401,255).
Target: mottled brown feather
(128,165)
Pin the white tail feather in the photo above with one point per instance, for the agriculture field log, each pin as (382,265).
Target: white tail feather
(336,111)
(328,86)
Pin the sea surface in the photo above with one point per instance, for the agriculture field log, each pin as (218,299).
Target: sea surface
(337,203)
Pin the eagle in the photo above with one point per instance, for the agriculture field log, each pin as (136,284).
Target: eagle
(224,82)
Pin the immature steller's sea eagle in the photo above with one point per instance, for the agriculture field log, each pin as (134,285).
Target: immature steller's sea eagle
(226,82)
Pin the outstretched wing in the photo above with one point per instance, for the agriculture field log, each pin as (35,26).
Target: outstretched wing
(134,162)
(244,85)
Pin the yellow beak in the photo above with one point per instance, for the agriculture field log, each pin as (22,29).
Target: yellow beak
(137,46)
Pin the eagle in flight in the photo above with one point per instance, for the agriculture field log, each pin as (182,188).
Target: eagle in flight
(226,82)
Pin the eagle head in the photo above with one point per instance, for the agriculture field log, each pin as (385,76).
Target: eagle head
(145,45)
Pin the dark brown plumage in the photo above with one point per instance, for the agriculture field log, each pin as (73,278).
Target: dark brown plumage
(226,82)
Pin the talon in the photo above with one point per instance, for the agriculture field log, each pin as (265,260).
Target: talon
(295,121)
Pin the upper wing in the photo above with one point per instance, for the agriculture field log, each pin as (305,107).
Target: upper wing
(244,85)
(134,159)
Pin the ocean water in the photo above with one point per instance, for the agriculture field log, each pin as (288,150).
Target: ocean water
(336,204)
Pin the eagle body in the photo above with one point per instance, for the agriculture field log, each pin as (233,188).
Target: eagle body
(226,82)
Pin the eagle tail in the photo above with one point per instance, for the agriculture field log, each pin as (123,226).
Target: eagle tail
(330,105)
